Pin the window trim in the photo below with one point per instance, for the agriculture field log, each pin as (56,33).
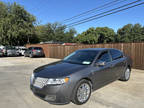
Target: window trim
(103,52)
(122,55)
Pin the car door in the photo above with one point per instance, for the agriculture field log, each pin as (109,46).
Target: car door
(103,74)
(119,62)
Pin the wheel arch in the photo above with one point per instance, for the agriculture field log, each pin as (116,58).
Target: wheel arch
(129,66)
(87,78)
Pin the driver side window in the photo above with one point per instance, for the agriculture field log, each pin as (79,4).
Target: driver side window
(105,57)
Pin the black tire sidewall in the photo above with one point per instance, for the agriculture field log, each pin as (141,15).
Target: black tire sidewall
(75,99)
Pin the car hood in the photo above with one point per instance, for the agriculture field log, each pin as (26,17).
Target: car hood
(58,70)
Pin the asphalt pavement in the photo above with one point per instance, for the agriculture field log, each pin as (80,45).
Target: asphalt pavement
(15,92)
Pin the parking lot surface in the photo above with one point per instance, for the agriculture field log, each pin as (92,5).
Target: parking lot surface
(15,92)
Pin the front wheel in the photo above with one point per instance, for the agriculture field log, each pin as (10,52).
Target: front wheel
(82,92)
(126,75)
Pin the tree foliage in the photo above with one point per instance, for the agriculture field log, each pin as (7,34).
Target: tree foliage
(96,35)
(55,32)
(130,33)
(16,25)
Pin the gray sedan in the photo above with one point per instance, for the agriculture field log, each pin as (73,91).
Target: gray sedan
(77,75)
(11,51)
(34,52)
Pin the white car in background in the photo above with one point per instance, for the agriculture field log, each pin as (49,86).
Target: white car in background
(3,49)
(21,50)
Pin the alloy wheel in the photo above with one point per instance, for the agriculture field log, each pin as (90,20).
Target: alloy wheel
(83,92)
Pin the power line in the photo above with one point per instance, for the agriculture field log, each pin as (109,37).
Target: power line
(108,14)
(95,16)
(96,10)
(109,4)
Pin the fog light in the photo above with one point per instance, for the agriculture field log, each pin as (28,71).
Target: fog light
(50,97)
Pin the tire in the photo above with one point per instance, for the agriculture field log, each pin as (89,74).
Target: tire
(126,75)
(77,92)
(30,55)
(25,55)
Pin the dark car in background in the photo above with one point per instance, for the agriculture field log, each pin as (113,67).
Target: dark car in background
(77,75)
(34,52)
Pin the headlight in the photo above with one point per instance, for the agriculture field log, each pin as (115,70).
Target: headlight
(57,81)
(32,78)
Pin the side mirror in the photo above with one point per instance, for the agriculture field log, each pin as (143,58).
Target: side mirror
(100,63)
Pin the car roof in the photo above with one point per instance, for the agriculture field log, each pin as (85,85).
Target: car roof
(95,49)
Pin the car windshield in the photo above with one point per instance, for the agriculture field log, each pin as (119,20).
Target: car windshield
(81,57)
(10,48)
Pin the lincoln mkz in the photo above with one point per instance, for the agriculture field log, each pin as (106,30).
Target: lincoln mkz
(80,73)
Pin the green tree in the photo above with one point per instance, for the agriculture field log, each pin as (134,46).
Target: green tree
(124,34)
(17,26)
(69,35)
(136,33)
(142,34)
(87,37)
(105,34)
(55,32)
(130,33)
(98,35)
(3,15)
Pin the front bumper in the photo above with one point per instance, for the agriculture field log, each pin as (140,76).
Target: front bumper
(11,54)
(54,94)
(1,54)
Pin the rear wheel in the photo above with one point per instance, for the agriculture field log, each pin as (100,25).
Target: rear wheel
(30,55)
(25,55)
(82,92)
(126,75)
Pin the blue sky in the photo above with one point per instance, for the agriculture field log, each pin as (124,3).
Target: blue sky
(58,10)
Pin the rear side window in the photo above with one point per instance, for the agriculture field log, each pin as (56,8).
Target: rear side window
(116,54)
(104,57)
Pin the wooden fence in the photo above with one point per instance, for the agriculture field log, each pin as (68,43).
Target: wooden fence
(134,50)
